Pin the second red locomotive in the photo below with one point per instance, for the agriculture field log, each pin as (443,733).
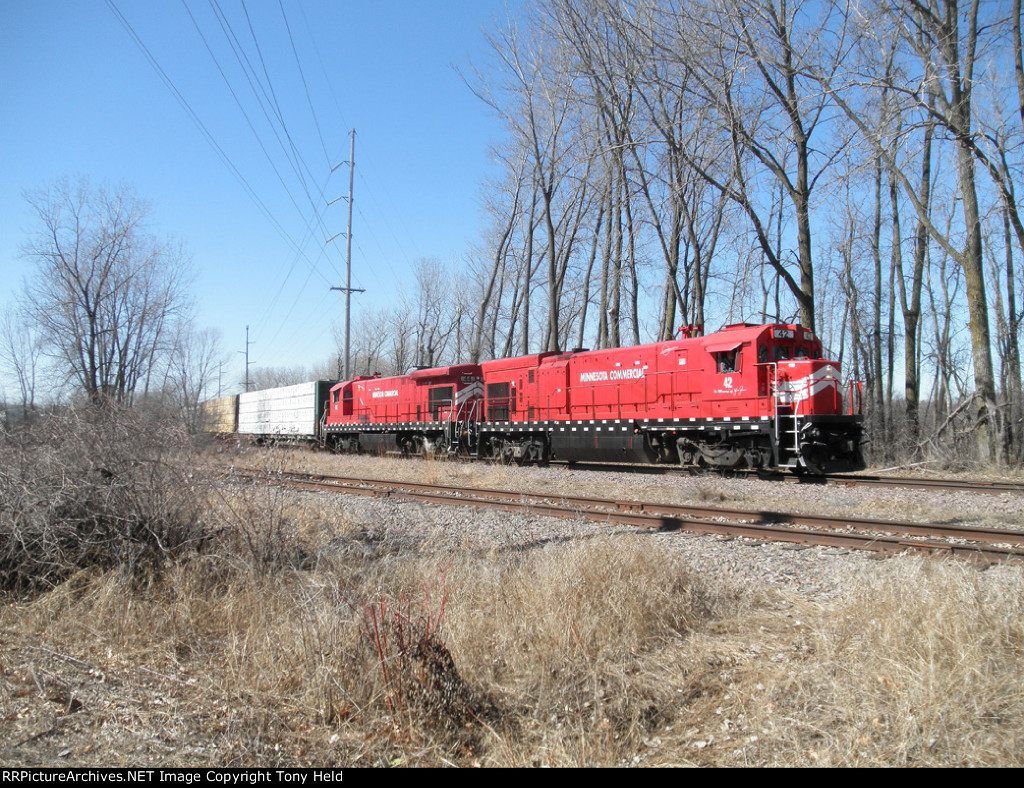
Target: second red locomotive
(756,396)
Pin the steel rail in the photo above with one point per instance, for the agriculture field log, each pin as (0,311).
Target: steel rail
(927,484)
(850,480)
(773,526)
(975,533)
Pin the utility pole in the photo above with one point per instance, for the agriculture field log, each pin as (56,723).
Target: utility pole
(348,290)
(247,343)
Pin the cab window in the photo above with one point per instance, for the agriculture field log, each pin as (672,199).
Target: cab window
(727,361)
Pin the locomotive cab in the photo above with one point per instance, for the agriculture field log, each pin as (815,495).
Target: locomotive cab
(805,383)
(340,405)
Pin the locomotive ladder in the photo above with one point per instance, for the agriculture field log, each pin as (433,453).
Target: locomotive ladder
(462,420)
(793,429)
(787,425)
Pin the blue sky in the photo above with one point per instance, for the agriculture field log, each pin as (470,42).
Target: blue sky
(79,98)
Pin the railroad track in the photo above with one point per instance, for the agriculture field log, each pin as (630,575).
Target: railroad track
(943,485)
(846,480)
(988,545)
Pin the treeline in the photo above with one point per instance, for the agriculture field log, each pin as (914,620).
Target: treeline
(852,164)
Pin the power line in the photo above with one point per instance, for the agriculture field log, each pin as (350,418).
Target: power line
(271,110)
(294,159)
(238,102)
(305,86)
(367,158)
(198,123)
(218,149)
(257,72)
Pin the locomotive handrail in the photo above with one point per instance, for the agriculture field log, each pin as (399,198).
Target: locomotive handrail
(442,404)
(584,399)
(322,425)
(773,388)
(860,397)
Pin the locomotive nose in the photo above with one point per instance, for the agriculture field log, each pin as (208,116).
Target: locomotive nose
(810,386)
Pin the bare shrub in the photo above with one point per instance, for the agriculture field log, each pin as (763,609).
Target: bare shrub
(944,439)
(255,531)
(417,671)
(97,486)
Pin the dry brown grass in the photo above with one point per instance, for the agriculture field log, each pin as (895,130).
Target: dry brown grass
(919,663)
(925,667)
(530,658)
(302,636)
(601,653)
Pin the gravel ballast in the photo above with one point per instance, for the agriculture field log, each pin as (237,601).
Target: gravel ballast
(391,526)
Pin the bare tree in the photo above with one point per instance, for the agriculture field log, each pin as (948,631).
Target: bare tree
(505,208)
(193,368)
(435,318)
(910,302)
(21,354)
(938,43)
(743,61)
(369,343)
(534,93)
(402,341)
(106,293)
(944,36)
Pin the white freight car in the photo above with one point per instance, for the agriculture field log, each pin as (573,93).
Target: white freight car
(287,412)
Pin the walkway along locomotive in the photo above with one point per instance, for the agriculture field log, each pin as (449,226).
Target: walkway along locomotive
(755,396)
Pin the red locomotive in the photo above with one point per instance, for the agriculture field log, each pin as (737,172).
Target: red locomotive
(423,412)
(757,396)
